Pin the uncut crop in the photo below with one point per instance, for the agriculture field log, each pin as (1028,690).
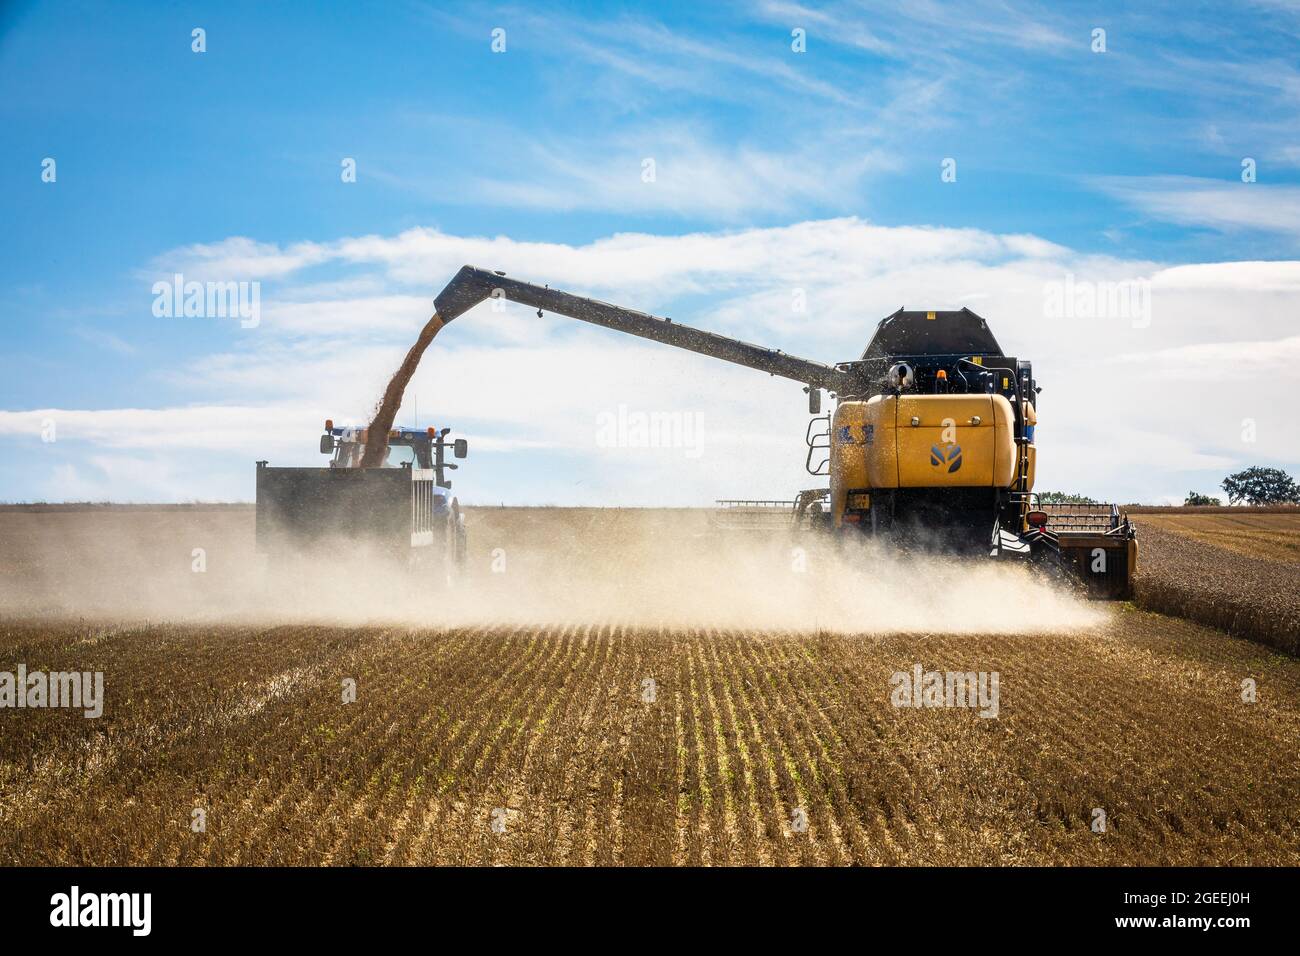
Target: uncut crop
(1238,573)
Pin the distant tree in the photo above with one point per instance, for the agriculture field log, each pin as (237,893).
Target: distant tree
(1061,498)
(1196,498)
(1262,486)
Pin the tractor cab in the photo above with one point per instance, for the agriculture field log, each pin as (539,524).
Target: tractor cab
(407,448)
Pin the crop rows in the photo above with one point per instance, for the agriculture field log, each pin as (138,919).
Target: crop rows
(600,744)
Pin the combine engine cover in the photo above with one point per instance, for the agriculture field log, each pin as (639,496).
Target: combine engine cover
(912,442)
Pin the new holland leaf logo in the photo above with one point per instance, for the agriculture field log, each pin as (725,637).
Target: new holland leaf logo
(951,458)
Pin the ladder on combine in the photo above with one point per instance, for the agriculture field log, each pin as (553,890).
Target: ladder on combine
(819,445)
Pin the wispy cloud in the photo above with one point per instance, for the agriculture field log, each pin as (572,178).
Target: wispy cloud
(1210,203)
(670,171)
(739,125)
(645,50)
(905,27)
(104,339)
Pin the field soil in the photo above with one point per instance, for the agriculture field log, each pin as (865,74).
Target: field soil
(617,737)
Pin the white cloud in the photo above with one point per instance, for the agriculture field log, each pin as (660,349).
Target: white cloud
(1217,204)
(210,427)
(647,265)
(345,317)
(1124,411)
(239,258)
(1268,276)
(1220,362)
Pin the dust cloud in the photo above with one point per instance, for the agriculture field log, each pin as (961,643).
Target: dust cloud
(527,566)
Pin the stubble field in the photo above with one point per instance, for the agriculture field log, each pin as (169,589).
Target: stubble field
(612,741)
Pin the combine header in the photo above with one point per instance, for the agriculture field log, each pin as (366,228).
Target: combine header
(931,444)
(402,514)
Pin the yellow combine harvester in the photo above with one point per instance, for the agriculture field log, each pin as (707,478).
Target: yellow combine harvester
(931,444)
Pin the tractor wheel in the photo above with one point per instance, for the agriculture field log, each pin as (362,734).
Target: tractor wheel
(449,563)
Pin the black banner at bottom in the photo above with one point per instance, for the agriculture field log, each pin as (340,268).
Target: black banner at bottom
(336,906)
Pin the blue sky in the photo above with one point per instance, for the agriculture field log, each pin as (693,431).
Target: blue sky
(775,171)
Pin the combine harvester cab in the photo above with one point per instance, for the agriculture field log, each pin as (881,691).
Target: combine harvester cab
(398,517)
